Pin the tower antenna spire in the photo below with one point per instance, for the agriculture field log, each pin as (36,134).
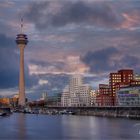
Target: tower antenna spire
(21,25)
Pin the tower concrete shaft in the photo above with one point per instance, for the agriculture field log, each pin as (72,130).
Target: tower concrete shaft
(21,77)
(21,41)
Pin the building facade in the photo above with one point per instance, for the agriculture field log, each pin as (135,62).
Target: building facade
(65,97)
(104,89)
(117,80)
(104,100)
(93,94)
(122,78)
(129,96)
(76,93)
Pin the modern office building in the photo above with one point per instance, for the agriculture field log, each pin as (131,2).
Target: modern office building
(137,77)
(126,75)
(104,89)
(76,93)
(93,95)
(75,82)
(117,80)
(65,97)
(84,95)
(128,96)
(113,79)
(122,78)
(104,100)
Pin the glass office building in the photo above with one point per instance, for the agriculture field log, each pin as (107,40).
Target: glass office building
(129,96)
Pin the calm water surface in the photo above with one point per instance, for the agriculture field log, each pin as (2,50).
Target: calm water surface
(40,127)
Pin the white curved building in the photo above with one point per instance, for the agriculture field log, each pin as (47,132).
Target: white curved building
(76,93)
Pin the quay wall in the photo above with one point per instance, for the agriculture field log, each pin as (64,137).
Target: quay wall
(123,112)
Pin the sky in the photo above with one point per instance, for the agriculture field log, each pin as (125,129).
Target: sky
(67,37)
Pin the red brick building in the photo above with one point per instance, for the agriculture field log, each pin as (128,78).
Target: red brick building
(113,79)
(135,82)
(105,97)
(126,75)
(104,89)
(104,100)
(117,80)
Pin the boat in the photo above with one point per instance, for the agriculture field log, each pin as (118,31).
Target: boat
(3,114)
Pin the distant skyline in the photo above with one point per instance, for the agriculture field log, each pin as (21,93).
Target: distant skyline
(88,37)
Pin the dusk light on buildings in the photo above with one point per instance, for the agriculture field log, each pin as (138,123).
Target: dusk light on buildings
(69,69)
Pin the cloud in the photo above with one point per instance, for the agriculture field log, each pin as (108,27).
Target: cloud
(69,65)
(8,61)
(6,42)
(132,20)
(50,81)
(60,32)
(43,82)
(57,14)
(109,59)
(99,61)
(131,61)
(9,64)
(6,4)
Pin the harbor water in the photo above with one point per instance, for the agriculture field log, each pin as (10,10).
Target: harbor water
(67,127)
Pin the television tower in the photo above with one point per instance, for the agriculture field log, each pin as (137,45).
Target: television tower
(21,41)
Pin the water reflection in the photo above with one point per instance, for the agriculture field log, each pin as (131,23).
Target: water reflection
(137,126)
(38,127)
(21,125)
(89,127)
(81,127)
